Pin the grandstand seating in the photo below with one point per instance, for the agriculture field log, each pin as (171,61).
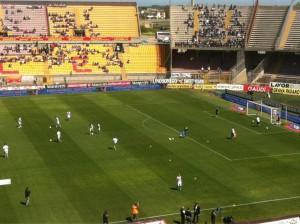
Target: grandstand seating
(144,59)
(94,20)
(24,20)
(47,21)
(293,39)
(209,26)
(267,25)
(118,21)
(72,59)
(179,30)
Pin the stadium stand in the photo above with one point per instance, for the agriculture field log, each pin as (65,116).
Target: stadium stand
(209,26)
(23,20)
(69,59)
(181,23)
(266,27)
(93,21)
(69,21)
(76,41)
(293,34)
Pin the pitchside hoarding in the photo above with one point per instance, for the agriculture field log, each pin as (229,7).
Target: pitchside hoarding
(232,87)
(284,85)
(178,81)
(257,88)
(286,91)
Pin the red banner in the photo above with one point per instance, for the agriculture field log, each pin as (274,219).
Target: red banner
(13,79)
(257,88)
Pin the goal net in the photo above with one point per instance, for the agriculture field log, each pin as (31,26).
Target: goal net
(260,109)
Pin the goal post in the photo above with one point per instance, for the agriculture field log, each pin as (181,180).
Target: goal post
(258,108)
(254,108)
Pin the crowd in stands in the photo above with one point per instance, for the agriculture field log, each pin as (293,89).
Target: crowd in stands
(60,54)
(23,20)
(213,31)
(64,23)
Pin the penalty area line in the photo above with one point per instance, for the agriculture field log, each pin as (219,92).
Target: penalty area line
(173,129)
(235,123)
(222,207)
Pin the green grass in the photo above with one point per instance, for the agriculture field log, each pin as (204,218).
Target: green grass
(73,182)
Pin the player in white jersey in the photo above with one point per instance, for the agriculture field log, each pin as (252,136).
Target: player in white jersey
(179,182)
(5,150)
(19,122)
(233,133)
(115,141)
(99,128)
(69,115)
(57,122)
(258,121)
(91,129)
(58,135)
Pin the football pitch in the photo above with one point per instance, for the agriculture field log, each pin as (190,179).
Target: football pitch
(253,177)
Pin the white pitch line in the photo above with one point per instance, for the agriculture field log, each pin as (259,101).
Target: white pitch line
(235,123)
(268,156)
(173,129)
(223,207)
(275,133)
(4,182)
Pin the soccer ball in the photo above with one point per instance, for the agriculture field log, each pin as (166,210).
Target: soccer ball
(170,160)
(50,140)
(50,126)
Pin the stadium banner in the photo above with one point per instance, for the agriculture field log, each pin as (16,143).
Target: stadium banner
(293,220)
(179,86)
(178,81)
(14,93)
(232,87)
(27,78)
(193,81)
(14,79)
(67,90)
(140,82)
(286,91)
(56,86)
(206,87)
(121,83)
(131,87)
(179,75)
(257,88)
(284,85)
(76,85)
(12,88)
(165,81)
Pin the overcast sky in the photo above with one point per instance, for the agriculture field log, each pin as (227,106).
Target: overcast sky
(237,2)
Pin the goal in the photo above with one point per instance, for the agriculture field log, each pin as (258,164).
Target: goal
(259,108)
